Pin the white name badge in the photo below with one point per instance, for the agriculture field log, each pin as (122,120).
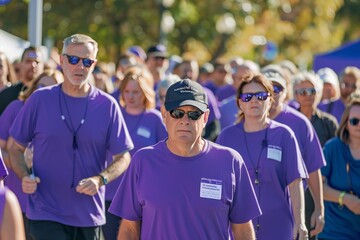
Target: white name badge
(143,132)
(210,188)
(274,153)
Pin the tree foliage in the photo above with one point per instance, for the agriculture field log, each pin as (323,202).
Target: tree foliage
(300,28)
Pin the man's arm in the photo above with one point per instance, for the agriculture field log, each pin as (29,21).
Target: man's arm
(16,154)
(244,231)
(316,189)
(298,206)
(129,230)
(90,186)
(18,164)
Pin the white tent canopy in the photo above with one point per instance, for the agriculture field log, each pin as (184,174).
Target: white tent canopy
(12,45)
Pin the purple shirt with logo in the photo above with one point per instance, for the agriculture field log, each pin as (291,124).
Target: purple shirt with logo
(186,197)
(6,120)
(57,163)
(306,136)
(145,129)
(274,154)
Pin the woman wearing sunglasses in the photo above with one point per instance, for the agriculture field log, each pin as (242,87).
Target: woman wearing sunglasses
(341,178)
(308,91)
(144,122)
(271,154)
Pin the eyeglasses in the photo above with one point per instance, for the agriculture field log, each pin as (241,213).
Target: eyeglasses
(354,121)
(306,91)
(261,96)
(278,89)
(178,114)
(347,85)
(73,60)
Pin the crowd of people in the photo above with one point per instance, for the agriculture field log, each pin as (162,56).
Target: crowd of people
(156,146)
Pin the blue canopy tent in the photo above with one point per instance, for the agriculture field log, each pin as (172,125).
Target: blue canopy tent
(339,58)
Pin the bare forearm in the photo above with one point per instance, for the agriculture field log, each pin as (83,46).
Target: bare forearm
(129,230)
(316,189)
(297,201)
(16,154)
(119,164)
(243,231)
(330,194)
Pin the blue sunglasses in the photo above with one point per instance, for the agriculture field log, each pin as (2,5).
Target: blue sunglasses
(261,96)
(73,60)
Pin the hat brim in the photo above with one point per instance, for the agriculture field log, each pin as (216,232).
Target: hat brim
(176,104)
(279,81)
(157,54)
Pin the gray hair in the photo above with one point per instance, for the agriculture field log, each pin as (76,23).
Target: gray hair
(313,79)
(80,39)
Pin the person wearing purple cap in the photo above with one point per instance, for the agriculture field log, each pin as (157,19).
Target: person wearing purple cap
(11,224)
(31,65)
(309,144)
(73,127)
(186,187)
(271,153)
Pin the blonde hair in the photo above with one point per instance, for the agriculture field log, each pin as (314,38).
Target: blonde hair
(55,74)
(343,133)
(146,82)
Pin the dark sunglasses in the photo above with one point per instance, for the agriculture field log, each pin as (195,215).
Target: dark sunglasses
(261,96)
(193,115)
(278,89)
(73,60)
(306,91)
(354,121)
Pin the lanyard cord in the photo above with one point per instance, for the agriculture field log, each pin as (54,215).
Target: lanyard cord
(257,181)
(71,128)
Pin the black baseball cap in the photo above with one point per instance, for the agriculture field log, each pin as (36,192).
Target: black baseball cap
(158,50)
(186,93)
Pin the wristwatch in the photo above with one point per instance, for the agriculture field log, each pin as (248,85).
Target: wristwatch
(104,179)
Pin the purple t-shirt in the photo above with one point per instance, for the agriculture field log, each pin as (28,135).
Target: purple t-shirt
(335,108)
(6,120)
(44,120)
(186,197)
(225,91)
(228,111)
(145,129)
(274,154)
(213,106)
(3,170)
(306,136)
